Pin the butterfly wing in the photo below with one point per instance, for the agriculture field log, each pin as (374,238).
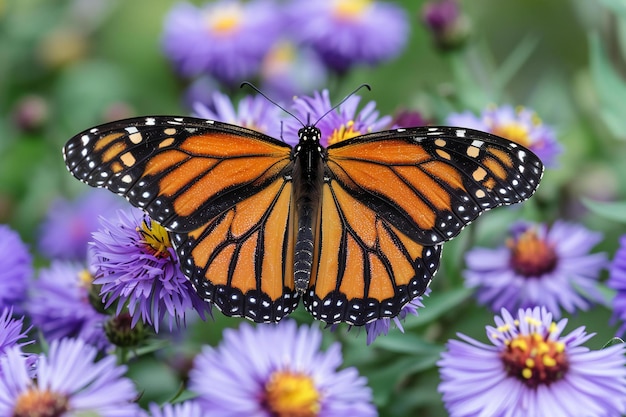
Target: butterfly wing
(364,267)
(390,199)
(182,171)
(430,182)
(222,191)
(242,260)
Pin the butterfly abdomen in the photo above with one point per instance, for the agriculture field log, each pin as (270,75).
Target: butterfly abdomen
(308,178)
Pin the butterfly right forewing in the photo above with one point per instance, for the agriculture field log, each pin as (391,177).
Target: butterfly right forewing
(430,182)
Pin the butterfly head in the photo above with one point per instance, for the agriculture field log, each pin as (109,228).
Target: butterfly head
(309,134)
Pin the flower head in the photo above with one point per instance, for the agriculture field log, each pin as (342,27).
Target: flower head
(70,381)
(60,304)
(520,125)
(253,112)
(382,326)
(226,39)
(530,368)
(135,263)
(617,281)
(539,265)
(350,32)
(288,70)
(277,370)
(449,28)
(186,409)
(345,123)
(12,331)
(67,228)
(15,269)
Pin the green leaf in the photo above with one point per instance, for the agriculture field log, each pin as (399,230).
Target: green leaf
(615,211)
(610,87)
(438,304)
(398,342)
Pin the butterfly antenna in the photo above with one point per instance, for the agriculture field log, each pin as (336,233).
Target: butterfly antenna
(343,101)
(254,87)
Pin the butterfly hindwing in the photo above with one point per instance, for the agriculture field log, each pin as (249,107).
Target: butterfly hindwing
(364,268)
(181,171)
(242,260)
(430,182)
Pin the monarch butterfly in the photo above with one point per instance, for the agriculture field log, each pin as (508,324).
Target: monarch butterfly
(355,229)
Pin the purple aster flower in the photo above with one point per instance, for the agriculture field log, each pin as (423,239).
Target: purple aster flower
(186,409)
(539,265)
(69,382)
(617,281)
(408,118)
(382,326)
(288,70)
(67,228)
(277,370)
(344,123)
(349,32)
(12,331)
(532,369)
(16,268)
(449,28)
(60,304)
(520,125)
(253,112)
(136,265)
(226,39)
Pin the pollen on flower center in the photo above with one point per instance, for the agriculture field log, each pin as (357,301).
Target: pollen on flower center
(534,359)
(292,395)
(225,21)
(350,9)
(85,278)
(532,256)
(155,238)
(36,403)
(346,131)
(279,58)
(513,131)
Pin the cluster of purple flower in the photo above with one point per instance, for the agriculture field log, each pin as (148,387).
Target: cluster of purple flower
(288,46)
(135,268)
(114,271)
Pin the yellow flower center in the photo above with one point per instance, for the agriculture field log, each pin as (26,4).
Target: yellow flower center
(279,58)
(535,360)
(346,131)
(226,20)
(36,403)
(513,131)
(156,238)
(532,256)
(350,9)
(292,395)
(85,278)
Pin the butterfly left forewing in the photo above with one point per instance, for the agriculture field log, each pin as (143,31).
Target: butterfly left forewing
(223,192)
(181,171)
(364,268)
(430,182)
